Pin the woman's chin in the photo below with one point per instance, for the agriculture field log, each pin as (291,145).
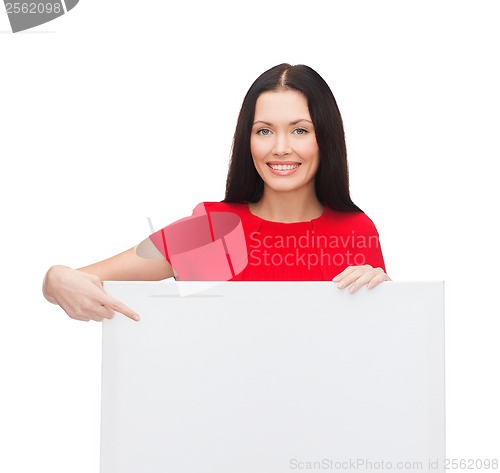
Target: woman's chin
(284,186)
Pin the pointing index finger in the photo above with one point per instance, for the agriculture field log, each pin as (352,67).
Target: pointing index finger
(120,307)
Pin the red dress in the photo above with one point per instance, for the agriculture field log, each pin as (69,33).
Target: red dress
(316,250)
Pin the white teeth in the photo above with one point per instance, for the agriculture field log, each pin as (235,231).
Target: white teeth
(283,167)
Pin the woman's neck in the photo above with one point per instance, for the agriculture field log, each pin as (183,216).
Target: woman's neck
(287,207)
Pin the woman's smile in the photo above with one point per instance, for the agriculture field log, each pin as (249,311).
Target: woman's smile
(283,168)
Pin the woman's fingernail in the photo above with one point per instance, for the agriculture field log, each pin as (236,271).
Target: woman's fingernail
(341,284)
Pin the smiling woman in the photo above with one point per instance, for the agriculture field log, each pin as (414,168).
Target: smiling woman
(287,182)
(312,100)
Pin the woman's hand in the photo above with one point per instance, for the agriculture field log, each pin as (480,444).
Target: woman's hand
(357,276)
(81,295)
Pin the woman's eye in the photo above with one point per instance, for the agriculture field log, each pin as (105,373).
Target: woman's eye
(264,132)
(300,131)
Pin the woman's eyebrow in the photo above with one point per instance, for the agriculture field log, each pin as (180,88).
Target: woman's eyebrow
(291,123)
(301,120)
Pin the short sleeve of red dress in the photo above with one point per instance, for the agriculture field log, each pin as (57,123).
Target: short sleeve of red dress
(208,245)
(160,237)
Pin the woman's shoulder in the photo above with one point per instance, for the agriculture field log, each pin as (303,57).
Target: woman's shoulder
(358,222)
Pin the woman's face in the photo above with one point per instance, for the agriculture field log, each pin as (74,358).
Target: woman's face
(283,142)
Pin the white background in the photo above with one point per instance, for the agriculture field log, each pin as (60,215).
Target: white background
(121,110)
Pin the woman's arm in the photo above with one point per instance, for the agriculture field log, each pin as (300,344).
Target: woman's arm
(80,294)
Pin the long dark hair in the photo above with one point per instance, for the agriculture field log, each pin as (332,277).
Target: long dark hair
(331,181)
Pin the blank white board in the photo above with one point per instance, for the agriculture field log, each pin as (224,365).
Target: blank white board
(272,377)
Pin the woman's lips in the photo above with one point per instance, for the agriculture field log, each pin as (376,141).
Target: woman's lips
(283,169)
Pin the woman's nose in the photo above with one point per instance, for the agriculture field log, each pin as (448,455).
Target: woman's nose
(281,145)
